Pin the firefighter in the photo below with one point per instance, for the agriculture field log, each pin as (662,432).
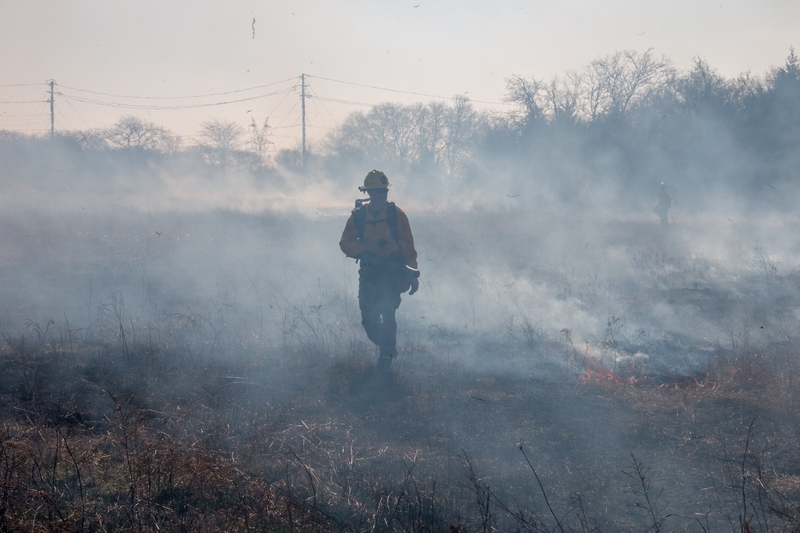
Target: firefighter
(664,202)
(378,235)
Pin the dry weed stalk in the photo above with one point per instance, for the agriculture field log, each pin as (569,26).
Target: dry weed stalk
(645,499)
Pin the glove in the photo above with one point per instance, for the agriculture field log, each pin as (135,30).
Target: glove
(414,285)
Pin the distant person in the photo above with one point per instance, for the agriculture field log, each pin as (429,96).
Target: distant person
(379,236)
(664,202)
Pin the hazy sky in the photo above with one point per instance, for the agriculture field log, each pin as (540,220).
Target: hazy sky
(166,48)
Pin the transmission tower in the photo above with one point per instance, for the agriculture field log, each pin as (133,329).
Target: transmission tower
(52,109)
(303,107)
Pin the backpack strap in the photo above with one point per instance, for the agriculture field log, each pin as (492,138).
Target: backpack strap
(391,221)
(360,219)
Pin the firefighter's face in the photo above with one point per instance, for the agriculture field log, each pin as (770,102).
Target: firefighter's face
(378,195)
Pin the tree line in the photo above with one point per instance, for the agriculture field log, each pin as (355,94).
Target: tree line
(626,120)
(624,123)
(220,143)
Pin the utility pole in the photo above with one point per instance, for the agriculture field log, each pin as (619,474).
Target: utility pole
(303,106)
(52,110)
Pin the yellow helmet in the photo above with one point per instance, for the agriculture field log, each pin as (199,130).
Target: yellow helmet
(376,179)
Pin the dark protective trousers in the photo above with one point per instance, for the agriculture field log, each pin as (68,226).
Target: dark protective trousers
(379,288)
(662,215)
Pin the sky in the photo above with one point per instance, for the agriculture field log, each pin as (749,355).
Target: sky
(178,63)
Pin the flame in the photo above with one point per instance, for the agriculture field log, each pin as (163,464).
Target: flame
(597,372)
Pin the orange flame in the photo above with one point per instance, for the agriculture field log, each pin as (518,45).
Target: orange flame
(596,371)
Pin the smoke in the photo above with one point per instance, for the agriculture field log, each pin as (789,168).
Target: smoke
(513,258)
(538,256)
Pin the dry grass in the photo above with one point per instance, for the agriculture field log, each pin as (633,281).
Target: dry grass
(101,439)
(256,408)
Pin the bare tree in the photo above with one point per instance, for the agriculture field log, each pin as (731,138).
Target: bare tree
(386,133)
(623,79)
(597,94)
(565,96)
(410,136)
(746,86)
(395,131)
(702,88)
(92,139)
(783,83)
(529,95)
(460,122)
(133,132)
(221,140)
(430,126)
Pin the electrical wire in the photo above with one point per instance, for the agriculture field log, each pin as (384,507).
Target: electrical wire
(178,97)
(278,104)
(76,112)
(40,112)
(23,84)
(379,88)
(321,111)
(314,103)
(21,94)
(64,117)
(23,101)
(346,102)
(288,113)
(160,107)
(399,91)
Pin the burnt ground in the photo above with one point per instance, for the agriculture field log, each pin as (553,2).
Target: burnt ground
(98,435)
(176,371)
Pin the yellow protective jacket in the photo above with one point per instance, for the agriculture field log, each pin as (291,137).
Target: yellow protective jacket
(377,231)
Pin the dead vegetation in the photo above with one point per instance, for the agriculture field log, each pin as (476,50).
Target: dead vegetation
(116,437)
(632,391)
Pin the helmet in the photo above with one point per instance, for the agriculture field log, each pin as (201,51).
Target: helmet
(376,179)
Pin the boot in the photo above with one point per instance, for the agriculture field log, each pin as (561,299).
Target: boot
(388,352)
(384,365)
(383,371)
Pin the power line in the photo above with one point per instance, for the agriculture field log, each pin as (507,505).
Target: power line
(278,104)
(22,84)
(346,102)
(301,88)
(189,106)
(287,114)
(40,112)
(76,112)
(179,97)
(314,101)
(399,91)
(160,107)
(64,118)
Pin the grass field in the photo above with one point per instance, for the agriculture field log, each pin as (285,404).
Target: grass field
(208,372)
